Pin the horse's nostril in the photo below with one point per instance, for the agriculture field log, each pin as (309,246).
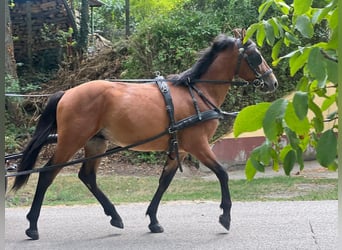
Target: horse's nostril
(276,84)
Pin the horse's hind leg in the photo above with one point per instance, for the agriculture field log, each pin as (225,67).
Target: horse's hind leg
(64,151)
(87,174)
(166,177)
(44,181)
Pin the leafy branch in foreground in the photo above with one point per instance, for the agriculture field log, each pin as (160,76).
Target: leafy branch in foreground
(311,35)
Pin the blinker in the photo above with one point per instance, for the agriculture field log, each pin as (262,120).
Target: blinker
(254,59)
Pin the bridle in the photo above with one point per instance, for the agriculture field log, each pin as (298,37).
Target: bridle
(253,60)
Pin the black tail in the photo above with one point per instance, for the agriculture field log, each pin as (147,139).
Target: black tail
(47,124)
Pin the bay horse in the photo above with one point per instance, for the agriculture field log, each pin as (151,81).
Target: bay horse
(125,113)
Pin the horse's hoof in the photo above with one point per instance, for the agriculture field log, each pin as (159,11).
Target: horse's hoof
(33,234)
(156,228)
(225,221)
(117,223)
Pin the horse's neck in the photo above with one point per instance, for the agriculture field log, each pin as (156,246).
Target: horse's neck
(222,69)
(216,93)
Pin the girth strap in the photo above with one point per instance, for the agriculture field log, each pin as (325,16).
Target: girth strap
(173,144)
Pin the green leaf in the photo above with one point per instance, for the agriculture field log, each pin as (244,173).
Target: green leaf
(277,28)
(250,118)
(296,145)
(283,152)
(272,122)
(290,38)
(304,26)
(317,67)
(327,148)
(320,14)
(260,36)
(284,8)
(289,55)
(332,70)
(330,100)
(250,31)
(333,166)
(333,40)
(269,33)
(276,50)
(303,84)
(300,126)
(299,61)
(292,138)
(318,119)
(301,6)
(258,165)
(292,61)
(289,161)
(262,153)
(300,160)
(300,103)
(333,20)
(263,8)
(250,170)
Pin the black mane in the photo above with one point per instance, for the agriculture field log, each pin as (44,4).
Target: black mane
(220,43)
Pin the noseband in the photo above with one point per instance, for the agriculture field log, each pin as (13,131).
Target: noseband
(259,78)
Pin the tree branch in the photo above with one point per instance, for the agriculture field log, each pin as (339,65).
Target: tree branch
(326,55)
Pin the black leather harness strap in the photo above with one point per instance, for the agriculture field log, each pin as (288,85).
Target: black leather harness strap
(174,126)
(173,144)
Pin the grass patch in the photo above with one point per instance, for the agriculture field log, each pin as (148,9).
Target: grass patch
(68,190)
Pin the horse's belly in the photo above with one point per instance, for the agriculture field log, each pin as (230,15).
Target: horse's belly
(139,140)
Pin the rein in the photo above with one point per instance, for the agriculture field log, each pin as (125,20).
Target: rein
(152,80)
(108,152)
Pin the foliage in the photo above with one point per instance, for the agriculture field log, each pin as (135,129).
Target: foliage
(140,10)
(314,58)
(109,19)
(51,33)
(12,85)
(135,157)
(168,42)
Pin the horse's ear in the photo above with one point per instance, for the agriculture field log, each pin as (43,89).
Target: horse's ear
(237,33)
(243,34)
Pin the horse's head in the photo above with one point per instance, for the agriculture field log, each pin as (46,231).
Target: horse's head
(251,65)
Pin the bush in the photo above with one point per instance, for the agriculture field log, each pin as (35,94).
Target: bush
(170,44)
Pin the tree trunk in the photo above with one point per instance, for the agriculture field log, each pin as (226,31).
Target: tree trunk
(84,29)
(127,8)
(10,64)
(10,71)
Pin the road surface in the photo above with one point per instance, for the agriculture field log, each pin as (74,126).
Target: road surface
(188,225)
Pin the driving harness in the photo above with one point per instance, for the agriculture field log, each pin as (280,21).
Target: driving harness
(215,113)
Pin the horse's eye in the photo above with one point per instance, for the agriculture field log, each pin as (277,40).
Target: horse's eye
(254,59)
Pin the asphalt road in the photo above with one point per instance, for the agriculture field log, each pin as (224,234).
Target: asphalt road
(188,225)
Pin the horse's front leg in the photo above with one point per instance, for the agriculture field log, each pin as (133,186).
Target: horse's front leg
(208,158)
(166,177)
